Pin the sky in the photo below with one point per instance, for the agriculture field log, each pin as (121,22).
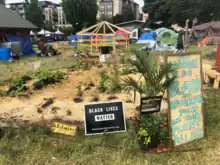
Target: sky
(140,2)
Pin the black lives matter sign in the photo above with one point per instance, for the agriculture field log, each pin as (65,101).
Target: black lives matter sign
(104,118)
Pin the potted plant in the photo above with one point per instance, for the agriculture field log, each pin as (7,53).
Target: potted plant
(153,81)
(153,131)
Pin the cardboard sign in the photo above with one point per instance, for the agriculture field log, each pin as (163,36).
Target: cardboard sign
(151,104)
(186,115)
(104,118)
(62,128)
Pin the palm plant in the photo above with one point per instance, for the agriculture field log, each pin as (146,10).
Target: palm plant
(155,80)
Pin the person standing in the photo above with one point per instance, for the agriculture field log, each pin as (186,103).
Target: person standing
(180,40)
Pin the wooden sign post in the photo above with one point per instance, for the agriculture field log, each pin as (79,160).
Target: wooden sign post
(186,112)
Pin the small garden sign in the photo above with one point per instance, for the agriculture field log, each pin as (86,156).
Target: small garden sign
(151,104)
(63,128)
(186,113)
(104,118)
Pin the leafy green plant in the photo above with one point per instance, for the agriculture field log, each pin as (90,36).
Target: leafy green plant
(79,91)
(46,77)
(127,70)
(38,84)
(17,85)
(103,78)
(114,81)
(153,127)
(155,80)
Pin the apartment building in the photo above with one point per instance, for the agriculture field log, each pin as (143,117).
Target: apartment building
(110,8)
(52,12)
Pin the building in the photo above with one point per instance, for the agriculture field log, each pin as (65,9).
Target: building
(52,12)
(111,8)
(18,6)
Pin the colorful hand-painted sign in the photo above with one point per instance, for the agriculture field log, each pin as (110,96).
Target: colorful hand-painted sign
(185,97)
(63,128)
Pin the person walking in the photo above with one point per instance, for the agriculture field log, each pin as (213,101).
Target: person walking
(180,40)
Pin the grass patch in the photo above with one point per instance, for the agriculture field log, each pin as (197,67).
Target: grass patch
(36,145)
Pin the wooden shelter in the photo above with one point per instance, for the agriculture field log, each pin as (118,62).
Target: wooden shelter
(104,34)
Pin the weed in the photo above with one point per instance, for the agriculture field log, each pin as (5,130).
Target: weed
(17,85)
(114,82)
(79,91)
(103,78)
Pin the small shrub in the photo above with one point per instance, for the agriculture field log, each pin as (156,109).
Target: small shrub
(103,78)
(38,84)
(127,70)
(114,82)
(79,91)
(3,93)
(17,85)
(26,78)
(47,77)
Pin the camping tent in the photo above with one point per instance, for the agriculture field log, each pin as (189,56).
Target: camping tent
(211,29)
(44,32)
(148,38)
(25,43)
(158,31)
(167,36)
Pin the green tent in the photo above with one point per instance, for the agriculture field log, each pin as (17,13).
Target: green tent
(167,36)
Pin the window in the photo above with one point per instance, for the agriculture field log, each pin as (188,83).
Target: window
(109,6)
(102,6)
(109,13)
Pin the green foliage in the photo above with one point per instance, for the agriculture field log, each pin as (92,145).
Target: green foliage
(103,78)
(152,125)
(79,91)
(17,85)
(38,84)
(49,26)
(3,93)
(175,11)
(67,30)
(50,76)
(33,13)
(80,13)
(127,70)
(114,81)
(2,2)
(155,80)
(46,77)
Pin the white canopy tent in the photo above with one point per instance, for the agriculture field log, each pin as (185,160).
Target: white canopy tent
(44,32)
(58,32)
(32,33)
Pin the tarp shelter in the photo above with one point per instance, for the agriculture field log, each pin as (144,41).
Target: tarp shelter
(59,33)
(44,32)
(167,36)
(72,40)
(25,42)
(210,30)
(148,39)
(32,33)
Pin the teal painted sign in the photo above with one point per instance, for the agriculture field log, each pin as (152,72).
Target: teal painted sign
(186,100)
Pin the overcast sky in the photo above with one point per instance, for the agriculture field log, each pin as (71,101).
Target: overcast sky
(141,2)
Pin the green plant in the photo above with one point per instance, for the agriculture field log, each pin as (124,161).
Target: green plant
(127,70)
(50,76)
(114,81)
(38,84)
(153,126)
(79,91)
(17,85)
(103,78)
(155,80)
(143,133)
(46,77)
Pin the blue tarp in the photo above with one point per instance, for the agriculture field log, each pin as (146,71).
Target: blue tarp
(148,36)
(73,37)
(26,44)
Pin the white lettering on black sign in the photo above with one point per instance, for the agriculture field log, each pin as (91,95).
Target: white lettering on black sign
(108,117)
(104,118)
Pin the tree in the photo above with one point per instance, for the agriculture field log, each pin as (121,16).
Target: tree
(80,13)
(67,30)
(2,2)
(154,81)
(48,26)
(33,13)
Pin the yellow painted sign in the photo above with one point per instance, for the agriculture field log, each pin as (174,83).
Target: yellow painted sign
(186,100)
(65,129)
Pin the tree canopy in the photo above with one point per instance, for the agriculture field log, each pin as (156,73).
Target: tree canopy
(80,13)
(176,11)
(33,13)
(2,2)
